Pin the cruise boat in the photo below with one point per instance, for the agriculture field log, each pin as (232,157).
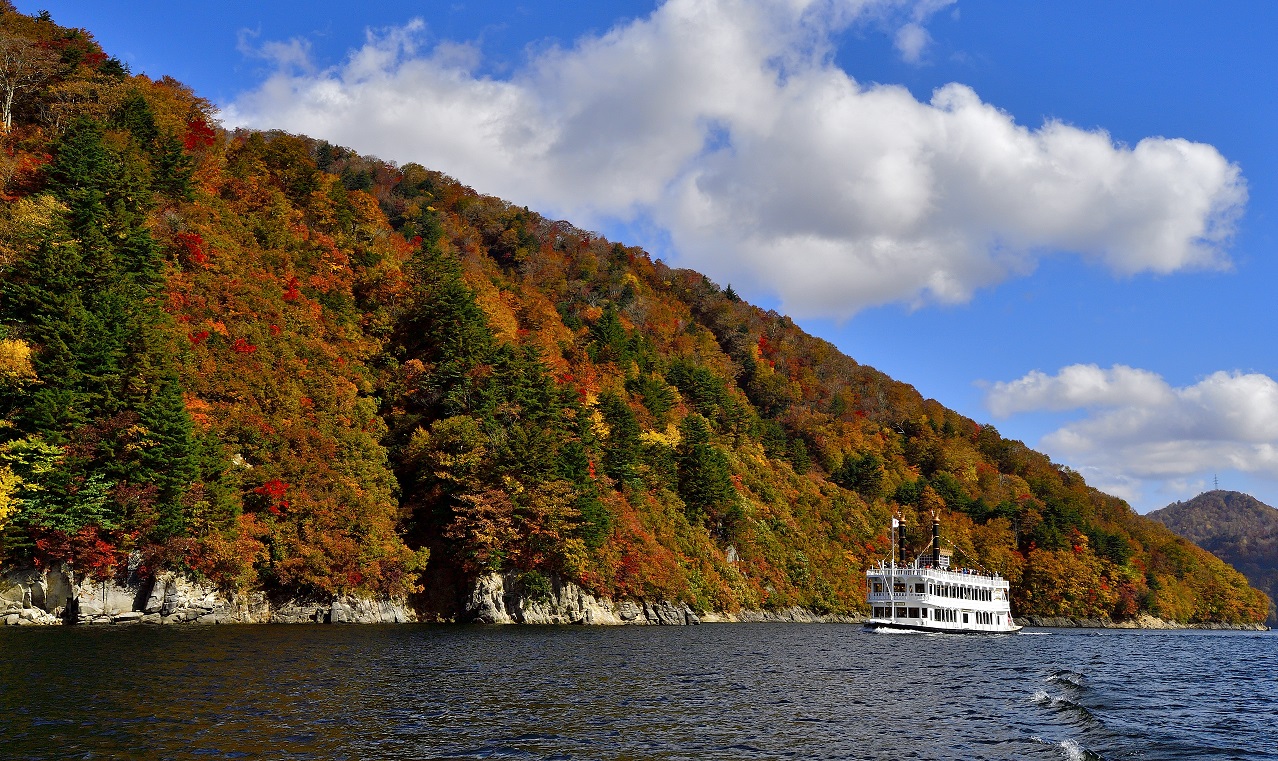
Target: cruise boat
(932,596)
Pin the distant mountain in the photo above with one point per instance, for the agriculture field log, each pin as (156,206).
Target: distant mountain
(1235,527)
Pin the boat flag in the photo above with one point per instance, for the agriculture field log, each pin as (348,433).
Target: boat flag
(896,523)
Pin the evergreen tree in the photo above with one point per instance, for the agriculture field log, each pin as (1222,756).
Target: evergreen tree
(87,296)
(864,475)
(622,451)
(168,457)
(705,478)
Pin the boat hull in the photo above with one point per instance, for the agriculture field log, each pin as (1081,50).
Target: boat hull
(892,625)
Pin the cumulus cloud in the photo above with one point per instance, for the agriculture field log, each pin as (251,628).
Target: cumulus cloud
(1139,430)
(1078,386)
(726,125)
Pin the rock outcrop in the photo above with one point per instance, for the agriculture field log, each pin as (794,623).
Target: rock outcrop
(510,598)
(55,596)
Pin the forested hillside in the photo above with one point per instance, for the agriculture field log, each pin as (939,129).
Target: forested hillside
(1235,527)
(269,362)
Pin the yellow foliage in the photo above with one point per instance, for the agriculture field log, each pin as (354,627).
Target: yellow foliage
(9,483)
(496,306)
(15,361)
(669,437)
(28,221)
(598,425)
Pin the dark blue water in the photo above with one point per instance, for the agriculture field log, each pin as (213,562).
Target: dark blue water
(767,691)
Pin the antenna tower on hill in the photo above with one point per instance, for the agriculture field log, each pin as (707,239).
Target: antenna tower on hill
(1215,481)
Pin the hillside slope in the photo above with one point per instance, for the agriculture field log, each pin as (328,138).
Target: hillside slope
(270,362)
(1235,527)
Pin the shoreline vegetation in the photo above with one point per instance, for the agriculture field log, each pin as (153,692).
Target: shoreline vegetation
(322,383)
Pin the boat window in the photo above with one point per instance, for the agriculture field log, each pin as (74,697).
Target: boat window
(899,587)
(878,588)
(965,618)
(918,588)
(913,613)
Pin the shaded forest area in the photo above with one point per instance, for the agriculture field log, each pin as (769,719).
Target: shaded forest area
(270,362)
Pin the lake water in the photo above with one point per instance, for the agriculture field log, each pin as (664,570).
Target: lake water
(740,691)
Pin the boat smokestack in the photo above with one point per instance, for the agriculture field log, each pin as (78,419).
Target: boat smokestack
(936,542)
(900,542)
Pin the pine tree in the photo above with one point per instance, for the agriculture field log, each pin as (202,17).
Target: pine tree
(168,456)
(705,478)
(622,451)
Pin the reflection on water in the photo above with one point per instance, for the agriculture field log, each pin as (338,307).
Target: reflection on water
(717,691)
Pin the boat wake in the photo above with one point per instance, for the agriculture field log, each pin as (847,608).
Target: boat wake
(1066,707)
(1070,749)
(1072,678)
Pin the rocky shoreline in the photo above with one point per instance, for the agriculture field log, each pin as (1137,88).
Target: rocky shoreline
(1140,622)
(507,598)
(55,596)
(34,597)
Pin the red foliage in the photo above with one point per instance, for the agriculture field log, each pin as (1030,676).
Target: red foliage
(291,292)
(274,491)
(87,551)
(94,60)
(241,346)
(192,247)
(198,134)
(25,174)
(275,329)
(198,336)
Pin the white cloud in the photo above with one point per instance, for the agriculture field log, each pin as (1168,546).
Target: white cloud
(294,54)
(725,124)
(911,40)
(1138,431)
(1078,386)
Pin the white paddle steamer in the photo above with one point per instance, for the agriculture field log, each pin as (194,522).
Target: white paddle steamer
(932,596)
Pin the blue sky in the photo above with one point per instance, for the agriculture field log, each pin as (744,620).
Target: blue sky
(1104,299)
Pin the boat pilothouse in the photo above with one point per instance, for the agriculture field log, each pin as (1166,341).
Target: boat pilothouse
(932,596)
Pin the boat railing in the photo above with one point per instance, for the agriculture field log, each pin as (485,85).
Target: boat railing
(937,573)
